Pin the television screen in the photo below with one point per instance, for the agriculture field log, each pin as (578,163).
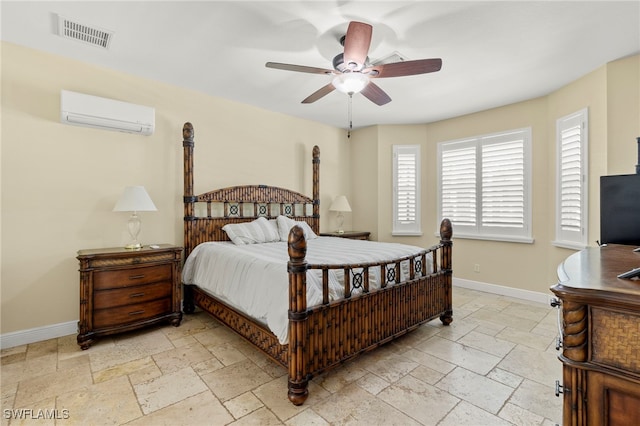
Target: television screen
(620,209)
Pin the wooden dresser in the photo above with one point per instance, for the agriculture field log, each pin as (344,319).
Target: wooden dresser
(600,329)
(121,290)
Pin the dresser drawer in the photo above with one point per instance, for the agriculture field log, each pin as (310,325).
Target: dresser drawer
(128,295)
(103,280)
(130,313)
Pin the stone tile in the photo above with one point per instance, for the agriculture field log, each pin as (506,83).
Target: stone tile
(530,310)
(541,367)
(226,353)
(456,353)
(353,405)
(168,389)
(519,416)
(427,375)
(181,357)
(52,384)
(476,389)
(499,318)
(457,329)
(336,379)
(262,417)
(29,368)
(373,384)
(418,400)
(45,347)
(243,404)
(505,377)
(392,368)
(122,369)
(108,402)
(233,380)
(538,399)
(486,343)
(535,341)
(274,396)
(468,414)
(429,361)
(307,418)
(200,409)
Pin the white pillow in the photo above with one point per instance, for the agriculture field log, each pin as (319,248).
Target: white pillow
(285,224)
(260,230)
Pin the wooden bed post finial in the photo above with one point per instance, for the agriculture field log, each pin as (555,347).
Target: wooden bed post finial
(297,268)
(446,230)
(187,132)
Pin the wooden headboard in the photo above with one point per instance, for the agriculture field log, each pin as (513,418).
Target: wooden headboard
(207,213)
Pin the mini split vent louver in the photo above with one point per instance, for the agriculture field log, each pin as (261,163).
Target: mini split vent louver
(92,35)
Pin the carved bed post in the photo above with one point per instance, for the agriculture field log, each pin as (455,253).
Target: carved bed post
(189,200)
(297,268)
(446,232)
(316,189)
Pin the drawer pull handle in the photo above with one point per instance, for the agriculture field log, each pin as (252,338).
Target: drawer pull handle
(561,389)
(136,295)
(136,277)
(136,313)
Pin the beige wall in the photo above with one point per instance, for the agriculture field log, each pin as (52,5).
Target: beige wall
(60,182)
(612,95)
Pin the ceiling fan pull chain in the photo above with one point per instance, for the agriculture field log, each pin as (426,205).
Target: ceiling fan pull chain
(350,115)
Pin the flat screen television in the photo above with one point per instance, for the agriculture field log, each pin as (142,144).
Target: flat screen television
(620,209)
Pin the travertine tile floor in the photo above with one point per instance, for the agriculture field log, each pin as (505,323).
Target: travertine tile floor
(495,365)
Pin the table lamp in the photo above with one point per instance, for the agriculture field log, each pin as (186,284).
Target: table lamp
(134,199)
(340,205)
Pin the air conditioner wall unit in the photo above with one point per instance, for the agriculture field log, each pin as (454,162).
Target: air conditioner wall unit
(79,109)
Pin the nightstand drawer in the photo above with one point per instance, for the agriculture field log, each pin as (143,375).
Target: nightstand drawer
(130,313)
(126,296)
(103,280)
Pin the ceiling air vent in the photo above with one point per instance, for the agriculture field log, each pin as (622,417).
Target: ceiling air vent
(88,34)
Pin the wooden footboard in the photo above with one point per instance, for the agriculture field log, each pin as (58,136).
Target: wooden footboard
(325,336)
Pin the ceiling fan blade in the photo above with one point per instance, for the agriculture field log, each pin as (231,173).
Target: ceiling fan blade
(298,68)
(356,44)
(323,91)
(400,69)
(375,94)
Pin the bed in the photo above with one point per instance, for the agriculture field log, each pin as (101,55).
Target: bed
(322,310)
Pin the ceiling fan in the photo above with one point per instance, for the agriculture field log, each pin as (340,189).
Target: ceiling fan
(353,72)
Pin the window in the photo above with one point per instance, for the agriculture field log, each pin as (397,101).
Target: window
(406,190)
(571,180)
(484,186)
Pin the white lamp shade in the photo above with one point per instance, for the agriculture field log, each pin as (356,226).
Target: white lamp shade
(350,82)
(135,199)
(340,204)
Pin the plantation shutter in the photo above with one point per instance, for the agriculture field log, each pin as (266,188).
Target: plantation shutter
(571,179)
(458,184)
(406,189)
(484,185)
(503,191)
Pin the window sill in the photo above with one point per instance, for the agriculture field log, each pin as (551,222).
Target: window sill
(406,234)
(500,238)
(568,245)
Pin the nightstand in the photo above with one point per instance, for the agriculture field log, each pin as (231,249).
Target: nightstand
(354,235)
(122,290)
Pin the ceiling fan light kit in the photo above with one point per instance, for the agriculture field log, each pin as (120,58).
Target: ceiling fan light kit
(350,83)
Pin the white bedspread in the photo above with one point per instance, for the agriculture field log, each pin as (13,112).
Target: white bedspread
(253,278)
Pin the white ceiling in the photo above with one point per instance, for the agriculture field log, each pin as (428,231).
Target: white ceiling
(494,53)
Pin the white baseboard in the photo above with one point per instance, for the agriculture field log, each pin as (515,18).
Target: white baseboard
(23,337)
(532,296)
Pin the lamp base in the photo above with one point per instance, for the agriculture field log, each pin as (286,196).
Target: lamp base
(133,246)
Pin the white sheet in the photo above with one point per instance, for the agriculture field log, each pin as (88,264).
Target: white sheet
(253,278)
